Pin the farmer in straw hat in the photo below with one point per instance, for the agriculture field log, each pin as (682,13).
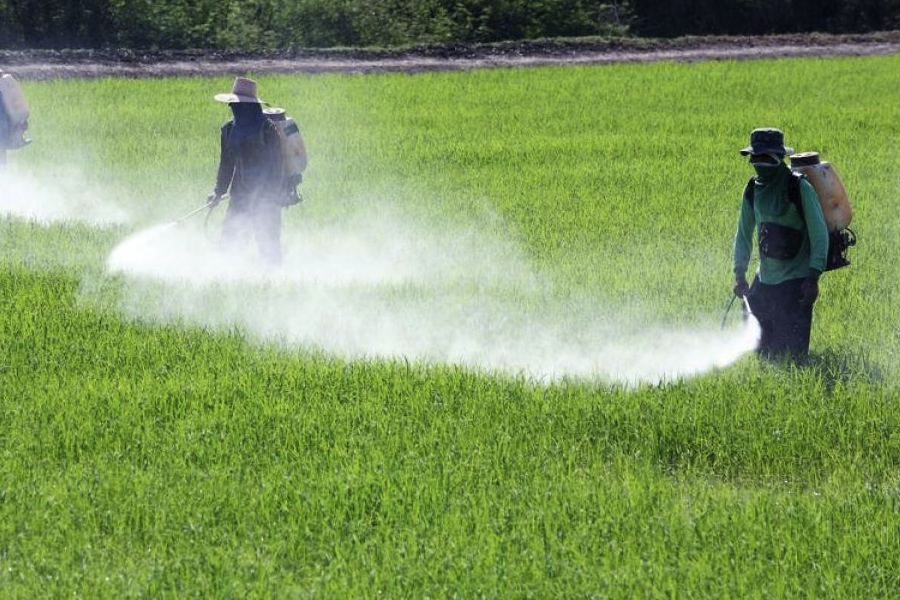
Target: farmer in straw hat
(251,166)
(793,248)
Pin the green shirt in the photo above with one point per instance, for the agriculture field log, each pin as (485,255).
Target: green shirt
(771,204)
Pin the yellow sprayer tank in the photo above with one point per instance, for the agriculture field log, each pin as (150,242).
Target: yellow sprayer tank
(294,148)
(828,186)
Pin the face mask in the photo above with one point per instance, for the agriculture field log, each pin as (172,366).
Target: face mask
(765,160)
(767,166)
(246,112)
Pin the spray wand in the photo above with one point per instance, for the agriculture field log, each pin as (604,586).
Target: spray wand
(727,310)
(210,205)
(747,310)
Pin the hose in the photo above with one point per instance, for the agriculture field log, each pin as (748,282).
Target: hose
(747,310)
(728,310)
(210,205)
(206,224)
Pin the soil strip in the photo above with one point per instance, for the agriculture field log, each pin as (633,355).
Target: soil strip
(67,64)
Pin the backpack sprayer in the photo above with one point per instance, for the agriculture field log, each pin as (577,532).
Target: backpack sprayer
(293,152)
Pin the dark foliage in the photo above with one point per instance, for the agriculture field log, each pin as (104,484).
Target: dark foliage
(267,24)
(670,18)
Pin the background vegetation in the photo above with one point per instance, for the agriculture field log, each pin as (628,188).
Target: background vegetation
(267,24)
(145,460)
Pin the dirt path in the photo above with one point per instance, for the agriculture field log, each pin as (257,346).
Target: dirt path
(87,63)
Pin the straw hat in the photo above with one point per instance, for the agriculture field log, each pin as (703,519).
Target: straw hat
(243,90)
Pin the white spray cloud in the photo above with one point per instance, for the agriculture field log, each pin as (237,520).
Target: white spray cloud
(386,285)
(66,194)
(377,249)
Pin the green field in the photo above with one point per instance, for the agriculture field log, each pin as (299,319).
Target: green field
(263,439)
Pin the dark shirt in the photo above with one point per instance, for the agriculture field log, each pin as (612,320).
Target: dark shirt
(251,160)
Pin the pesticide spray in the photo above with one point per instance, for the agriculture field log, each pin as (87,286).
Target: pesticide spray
(67,196)
(382,285)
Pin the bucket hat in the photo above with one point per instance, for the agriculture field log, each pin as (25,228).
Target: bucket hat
(767,140)
(243,90)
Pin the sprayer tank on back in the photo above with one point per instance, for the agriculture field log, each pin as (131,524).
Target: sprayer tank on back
(14,102)
(293,147)
(828,186)
(15,113)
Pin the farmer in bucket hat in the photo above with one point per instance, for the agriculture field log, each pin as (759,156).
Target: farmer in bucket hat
(250,166)
(793,246)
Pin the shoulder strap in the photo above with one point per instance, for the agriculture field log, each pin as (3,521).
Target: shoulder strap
(274,131)
(749,192)
(793,192)
(261,134)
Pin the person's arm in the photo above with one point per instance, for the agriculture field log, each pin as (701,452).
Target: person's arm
(743,240)
(226,165)
(816,228)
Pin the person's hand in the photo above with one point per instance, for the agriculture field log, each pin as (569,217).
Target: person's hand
(809,291)
(213,200)
(741,289)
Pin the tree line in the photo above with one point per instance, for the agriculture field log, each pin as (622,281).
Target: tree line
(671,18)
(279,24)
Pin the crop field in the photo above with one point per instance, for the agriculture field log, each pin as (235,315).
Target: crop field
(491,365)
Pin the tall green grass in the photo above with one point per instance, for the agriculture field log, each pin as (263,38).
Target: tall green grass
(143,460)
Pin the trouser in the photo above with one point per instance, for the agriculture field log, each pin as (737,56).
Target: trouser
(785,324)
(260,217)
